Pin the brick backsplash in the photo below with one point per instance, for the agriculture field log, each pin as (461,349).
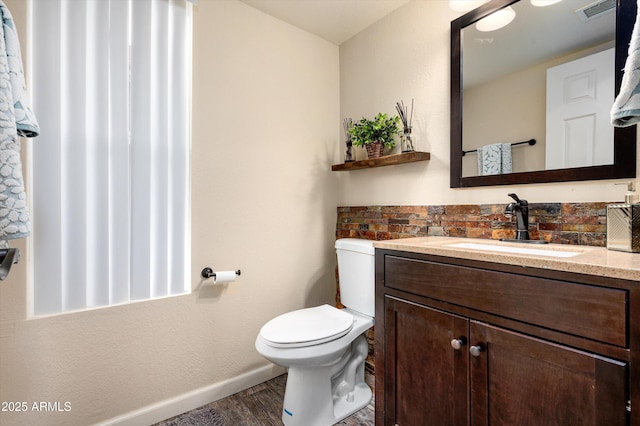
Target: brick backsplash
(563,223)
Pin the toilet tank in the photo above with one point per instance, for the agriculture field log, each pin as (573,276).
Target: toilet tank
(356,263)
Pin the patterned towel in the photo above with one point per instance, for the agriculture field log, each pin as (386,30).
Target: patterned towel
(494,159)
(626,108)
(16,119)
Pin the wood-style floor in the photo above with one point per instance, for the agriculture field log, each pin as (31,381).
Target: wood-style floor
(261,405)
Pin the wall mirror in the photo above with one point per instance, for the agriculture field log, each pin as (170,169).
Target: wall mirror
(508,86)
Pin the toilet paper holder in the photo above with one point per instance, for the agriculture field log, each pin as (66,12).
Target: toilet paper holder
(208,273)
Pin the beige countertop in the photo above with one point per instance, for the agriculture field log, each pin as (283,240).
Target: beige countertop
(580,259)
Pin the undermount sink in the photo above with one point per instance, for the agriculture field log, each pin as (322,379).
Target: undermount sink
(547,251)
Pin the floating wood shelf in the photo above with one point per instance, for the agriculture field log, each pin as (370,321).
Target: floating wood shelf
(387,160)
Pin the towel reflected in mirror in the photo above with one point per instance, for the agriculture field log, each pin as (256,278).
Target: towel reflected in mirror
(494,159)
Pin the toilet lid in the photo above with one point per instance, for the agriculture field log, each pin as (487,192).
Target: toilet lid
(312,326)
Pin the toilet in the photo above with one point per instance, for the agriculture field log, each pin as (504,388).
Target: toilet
(324,348)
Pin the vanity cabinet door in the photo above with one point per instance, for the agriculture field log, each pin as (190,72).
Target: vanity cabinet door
(520,380)
(426,379)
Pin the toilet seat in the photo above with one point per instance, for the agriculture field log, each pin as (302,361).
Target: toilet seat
(307,327)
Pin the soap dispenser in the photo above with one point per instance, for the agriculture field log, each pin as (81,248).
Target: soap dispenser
(623,222)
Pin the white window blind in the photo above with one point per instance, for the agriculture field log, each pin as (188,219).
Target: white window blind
(111,85)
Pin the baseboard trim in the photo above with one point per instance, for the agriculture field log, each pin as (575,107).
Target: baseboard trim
(172,407)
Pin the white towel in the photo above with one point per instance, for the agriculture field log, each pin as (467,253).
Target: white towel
(494,159)
(626,108)
(16,119)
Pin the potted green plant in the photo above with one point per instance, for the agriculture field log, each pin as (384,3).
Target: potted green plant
(376,134)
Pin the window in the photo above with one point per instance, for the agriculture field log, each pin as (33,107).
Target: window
(111,86)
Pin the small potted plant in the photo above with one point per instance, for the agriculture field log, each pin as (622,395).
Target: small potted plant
(376,134)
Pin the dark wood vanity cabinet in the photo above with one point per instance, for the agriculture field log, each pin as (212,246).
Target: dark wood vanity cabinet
(466,342)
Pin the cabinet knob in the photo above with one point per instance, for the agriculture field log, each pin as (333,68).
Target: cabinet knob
(475,350)
(458,343)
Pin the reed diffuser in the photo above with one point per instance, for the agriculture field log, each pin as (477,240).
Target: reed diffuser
(406,117)
(347,124)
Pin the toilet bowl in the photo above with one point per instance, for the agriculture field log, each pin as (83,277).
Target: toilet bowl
(324,348)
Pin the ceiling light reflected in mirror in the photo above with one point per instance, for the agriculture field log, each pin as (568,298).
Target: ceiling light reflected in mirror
(496,20)
(542,3)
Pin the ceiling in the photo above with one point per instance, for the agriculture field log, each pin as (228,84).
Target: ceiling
(333,20)
(509,49)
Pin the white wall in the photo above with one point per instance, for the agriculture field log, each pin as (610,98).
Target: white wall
(407,55)
(265,131)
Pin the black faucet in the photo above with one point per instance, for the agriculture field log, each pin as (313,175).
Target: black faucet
(521,209)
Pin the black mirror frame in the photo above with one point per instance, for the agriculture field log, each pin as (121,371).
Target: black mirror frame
(624,138)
